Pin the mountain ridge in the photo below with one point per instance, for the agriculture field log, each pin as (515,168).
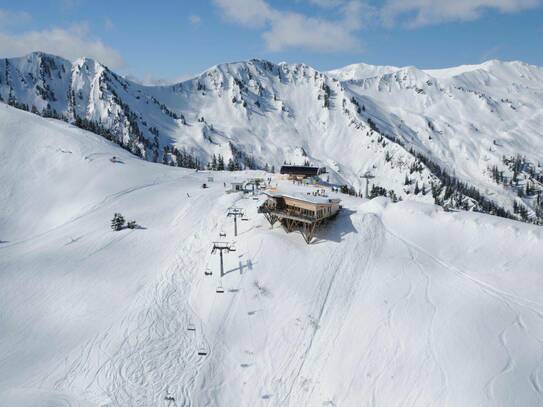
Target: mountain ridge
(403,124)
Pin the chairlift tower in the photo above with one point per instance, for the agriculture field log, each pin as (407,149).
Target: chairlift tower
(368,176)
(221,247)
(235,212)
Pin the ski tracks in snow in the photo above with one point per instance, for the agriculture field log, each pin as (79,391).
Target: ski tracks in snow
(516,306)
(156,356)
(340,281)
(430,337)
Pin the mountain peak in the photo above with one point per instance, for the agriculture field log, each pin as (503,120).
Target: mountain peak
(360,71)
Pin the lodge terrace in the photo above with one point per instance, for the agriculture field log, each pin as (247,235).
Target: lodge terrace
(299,211)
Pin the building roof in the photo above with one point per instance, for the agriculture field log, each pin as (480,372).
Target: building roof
(302,170)
(322,200)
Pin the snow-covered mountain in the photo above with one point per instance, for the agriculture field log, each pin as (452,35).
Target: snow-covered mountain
(360,71)
(396,304)
(468,137)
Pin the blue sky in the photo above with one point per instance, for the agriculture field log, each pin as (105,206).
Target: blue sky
(171,40)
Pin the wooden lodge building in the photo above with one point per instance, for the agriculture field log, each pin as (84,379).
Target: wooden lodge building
(301,171)
(299,211)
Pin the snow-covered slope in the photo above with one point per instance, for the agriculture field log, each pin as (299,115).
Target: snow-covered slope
(360,71)
(394,304)
(465,137)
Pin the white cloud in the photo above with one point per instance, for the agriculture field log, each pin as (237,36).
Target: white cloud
(109,25)
(284,30)
(195,19)
(251,13)
(70,43)
(67,5)
(358,14)
(297,31)
(9,18)
(326,3)
(426,12)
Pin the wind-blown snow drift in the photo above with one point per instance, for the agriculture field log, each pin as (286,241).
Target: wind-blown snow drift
(394,304)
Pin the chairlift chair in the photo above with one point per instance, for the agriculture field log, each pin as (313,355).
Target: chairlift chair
(191,327)
(245,219)
(222,234)
(208,272)
(220,289)
(202,352)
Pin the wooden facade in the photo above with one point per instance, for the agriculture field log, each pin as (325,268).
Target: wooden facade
(301,171)
(304,213)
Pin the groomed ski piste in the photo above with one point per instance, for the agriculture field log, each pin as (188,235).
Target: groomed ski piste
(392,305)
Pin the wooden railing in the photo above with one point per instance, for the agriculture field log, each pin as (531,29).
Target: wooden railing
(289,213)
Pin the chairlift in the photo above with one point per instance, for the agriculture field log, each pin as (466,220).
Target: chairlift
(191,327)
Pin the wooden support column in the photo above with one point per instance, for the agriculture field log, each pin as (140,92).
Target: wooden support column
(308,231)
(284,224)
(304,232)
(290,225)
(270,217)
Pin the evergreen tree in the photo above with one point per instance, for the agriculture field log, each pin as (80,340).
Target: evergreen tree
(377,190)
(220,163)
(388,156)
(117,223)
(214,162)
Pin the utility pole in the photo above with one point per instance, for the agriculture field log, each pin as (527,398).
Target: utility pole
(368,176)
(220,247)
(235,212)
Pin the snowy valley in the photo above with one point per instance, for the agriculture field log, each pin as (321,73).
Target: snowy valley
(394,304)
